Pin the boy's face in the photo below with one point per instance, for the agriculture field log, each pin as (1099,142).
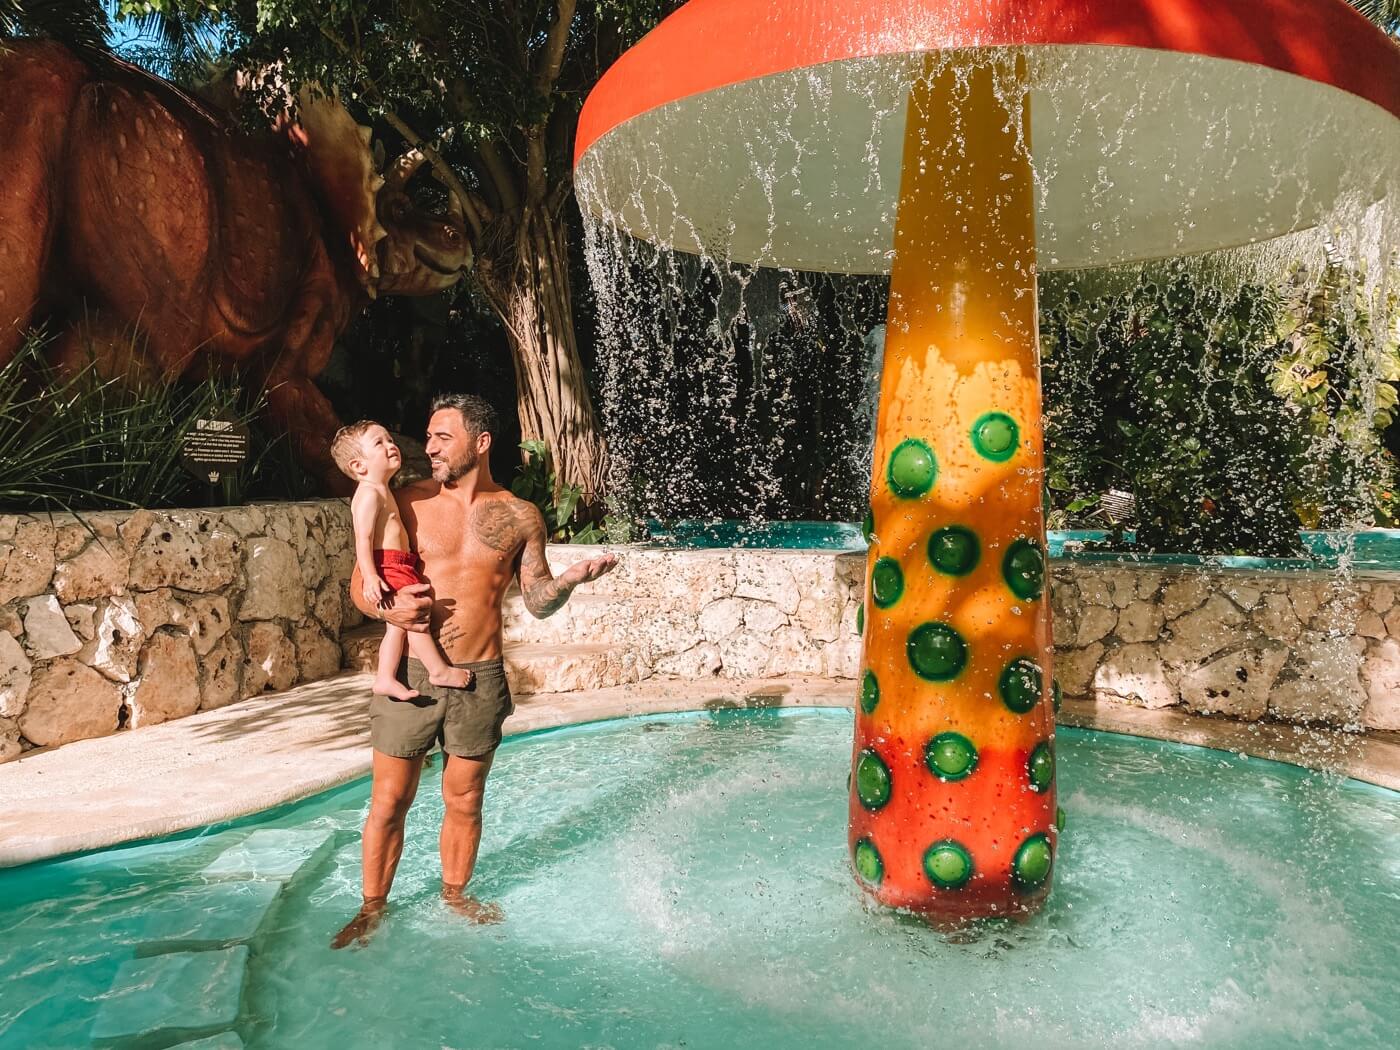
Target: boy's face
(379,458)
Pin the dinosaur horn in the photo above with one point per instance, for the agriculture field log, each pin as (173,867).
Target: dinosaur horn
(397,174)
(456,210)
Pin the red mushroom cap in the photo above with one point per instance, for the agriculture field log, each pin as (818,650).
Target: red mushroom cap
(770,131)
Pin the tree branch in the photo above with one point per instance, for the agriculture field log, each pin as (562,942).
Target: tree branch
(553,54)
(500,174)
(477,211)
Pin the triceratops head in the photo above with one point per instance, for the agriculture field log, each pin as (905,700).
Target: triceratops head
(399,248)
(421,252)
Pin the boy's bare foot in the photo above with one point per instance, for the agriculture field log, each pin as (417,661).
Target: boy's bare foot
(471,909)
(393,689)
(453,678)
(359,929)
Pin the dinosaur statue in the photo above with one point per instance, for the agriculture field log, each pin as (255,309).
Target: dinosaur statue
(142,226)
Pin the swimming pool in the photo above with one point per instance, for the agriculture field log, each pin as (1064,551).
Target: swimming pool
(1364,550)
(682,881)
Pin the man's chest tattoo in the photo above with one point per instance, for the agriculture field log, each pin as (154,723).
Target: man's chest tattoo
(497,526)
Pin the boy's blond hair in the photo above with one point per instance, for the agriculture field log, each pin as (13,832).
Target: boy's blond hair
(345,446)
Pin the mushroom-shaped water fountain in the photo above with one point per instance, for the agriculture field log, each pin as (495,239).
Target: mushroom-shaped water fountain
(961,145)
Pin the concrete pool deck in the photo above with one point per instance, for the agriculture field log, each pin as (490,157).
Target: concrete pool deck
(250,756)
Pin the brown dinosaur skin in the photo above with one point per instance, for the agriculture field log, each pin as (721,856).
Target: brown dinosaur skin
(137,225)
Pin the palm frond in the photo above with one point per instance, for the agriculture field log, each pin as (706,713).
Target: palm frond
(82,24)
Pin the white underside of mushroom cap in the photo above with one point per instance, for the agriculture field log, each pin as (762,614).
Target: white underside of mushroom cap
(1138,155)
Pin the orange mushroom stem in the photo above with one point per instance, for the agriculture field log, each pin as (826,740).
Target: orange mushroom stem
(952,788)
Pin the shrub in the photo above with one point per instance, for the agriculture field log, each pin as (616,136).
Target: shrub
(1231,416)
(74,440)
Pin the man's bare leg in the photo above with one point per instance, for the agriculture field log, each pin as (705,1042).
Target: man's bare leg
(394,785)
(463,789)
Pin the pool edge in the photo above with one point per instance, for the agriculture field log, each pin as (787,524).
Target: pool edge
(281,749)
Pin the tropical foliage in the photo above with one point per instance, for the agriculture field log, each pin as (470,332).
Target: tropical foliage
(558,502)
(1231,418)
(74,440)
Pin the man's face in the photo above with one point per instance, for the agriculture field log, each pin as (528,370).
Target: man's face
(453,450)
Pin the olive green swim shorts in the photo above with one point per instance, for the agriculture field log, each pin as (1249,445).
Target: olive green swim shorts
(467,722)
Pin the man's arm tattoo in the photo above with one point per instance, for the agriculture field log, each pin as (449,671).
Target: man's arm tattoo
(543,594)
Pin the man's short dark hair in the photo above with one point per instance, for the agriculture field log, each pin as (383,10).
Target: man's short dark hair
(478,414)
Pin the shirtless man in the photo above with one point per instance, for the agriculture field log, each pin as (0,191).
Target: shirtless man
(472,536)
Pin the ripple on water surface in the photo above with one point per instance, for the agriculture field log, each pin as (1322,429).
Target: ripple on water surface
(683,881)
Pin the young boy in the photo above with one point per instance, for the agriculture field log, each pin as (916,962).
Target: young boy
(367,455)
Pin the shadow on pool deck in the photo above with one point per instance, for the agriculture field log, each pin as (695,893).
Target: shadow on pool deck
(259,753)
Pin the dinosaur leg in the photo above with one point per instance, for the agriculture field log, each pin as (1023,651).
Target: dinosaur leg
(297,404)
(26,217)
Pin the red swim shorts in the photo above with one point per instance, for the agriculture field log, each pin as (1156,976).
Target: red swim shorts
(399,569)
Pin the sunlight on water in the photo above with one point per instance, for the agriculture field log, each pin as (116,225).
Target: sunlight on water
(682,881)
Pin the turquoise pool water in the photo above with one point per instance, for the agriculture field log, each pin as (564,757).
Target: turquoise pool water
(1367,550)
(681,881)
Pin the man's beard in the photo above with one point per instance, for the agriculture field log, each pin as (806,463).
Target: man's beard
(446,473)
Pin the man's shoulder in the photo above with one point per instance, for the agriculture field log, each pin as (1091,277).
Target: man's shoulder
(522,509)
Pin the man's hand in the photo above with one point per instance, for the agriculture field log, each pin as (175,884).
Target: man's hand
(587,571)
(410,608)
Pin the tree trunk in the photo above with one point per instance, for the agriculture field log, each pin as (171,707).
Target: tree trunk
(536,306)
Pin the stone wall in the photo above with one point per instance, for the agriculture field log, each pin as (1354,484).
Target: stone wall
(123,620)
(1302,647)
(116,620)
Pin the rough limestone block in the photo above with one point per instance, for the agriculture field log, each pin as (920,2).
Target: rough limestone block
(1380,673)
(703,661)
(169,683)
(186,994)
(1236,684)
(69,701)
(47,632)
(767,578)
(15,668)
(26,559)
(1276,620)
(1326,686)
(202,917)
(206,618)
(188,550)
(220,671)
(1095,622)
(246,521)
(83,619)
(272,853)
(275,588)
(1075,668)
(317,656)
(1134,674)
(1204,632)
(327,607)
(98,571)
(116,645)
(1184,593)
(10,747)
(271,660)
(1140,622)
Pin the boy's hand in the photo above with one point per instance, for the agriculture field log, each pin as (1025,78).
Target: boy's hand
(375,589)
